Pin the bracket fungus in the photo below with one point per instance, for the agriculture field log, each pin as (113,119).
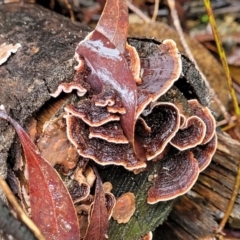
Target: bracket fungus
(55,146)
(6,50)
(120,118)
(124,208)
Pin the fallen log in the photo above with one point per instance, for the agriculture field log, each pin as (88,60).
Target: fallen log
(44,61)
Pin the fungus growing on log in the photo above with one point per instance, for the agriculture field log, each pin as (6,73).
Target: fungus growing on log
(110,203)
(178,174)
(55,146)
(124,208)
(110,198)
(6,50)
(148,236)
(120,118)
(205,114)
(190,135)
(165,115)
(204,153)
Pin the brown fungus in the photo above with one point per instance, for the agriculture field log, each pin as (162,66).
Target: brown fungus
(123,121)
(84,179)
(160,71)
(79,191)
(109,97)
(204,153)
(134,62)
(111,132)
(83,212)
(100,151)
(190,135)
(68,88)
(110,198)
(117,93)
(148,236)
(107,187)
(110,203)
(90,113)
(6,50)
(205,114)
(85,175)
(163,120)
(124,208)
(177,175)
(55,146)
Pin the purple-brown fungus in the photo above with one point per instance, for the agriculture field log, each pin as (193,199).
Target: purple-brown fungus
(119,118)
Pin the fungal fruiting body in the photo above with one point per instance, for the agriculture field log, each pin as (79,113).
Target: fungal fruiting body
(121,120)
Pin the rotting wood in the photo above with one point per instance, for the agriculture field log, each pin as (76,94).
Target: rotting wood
(45,60)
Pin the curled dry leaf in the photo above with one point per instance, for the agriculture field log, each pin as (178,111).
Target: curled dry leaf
(116,31)
(52,208)
(98,226)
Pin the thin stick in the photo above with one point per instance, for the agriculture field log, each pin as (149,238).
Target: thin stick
(176,22)
(138,12)
(223,122)
(231,201)
(222,56)
(155,11)
(21,214)
(69,7)
(235,106)
(228,127)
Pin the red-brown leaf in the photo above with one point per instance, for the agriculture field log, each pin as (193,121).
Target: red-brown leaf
(98,226)
(114,23)
(111,69)
(52,208)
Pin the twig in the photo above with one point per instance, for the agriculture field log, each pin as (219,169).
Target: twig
(235,106)
(21,214)
(138,12)
(69,7)
(155,11)
(228,127)
(171,4)
(230,121)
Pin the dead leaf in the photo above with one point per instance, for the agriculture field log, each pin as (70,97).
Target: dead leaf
(98,226)
(110,68)
(114,23)
(52,208)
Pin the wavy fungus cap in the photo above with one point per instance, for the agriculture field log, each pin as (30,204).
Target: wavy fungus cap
(120,120)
